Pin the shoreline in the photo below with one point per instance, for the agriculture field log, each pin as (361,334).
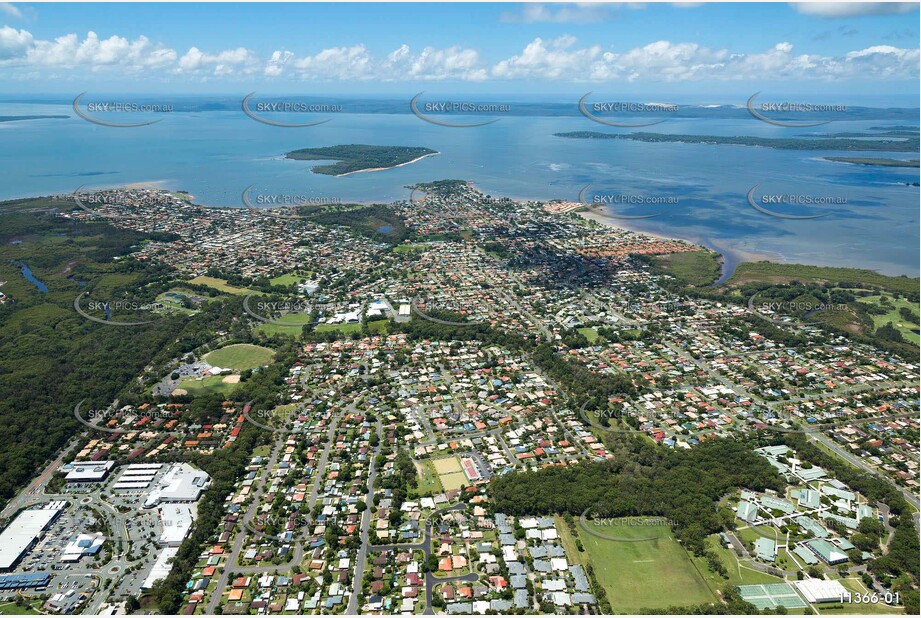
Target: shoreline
(381,169)
(729,258)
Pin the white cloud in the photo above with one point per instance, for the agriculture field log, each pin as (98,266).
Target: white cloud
(577,13)
(357,63)
(10,9)
(562,59)
(853,9)
(549,60)
(228,62)
(665,61)
(69,52)
(13,42)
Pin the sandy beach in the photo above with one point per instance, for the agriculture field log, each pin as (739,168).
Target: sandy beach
(380,169)
(731,256)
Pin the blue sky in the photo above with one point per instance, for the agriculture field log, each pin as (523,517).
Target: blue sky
(688,50)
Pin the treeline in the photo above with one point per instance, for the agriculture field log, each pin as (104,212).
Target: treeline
(909,144)
(680,485)
(579,381)
(225,466)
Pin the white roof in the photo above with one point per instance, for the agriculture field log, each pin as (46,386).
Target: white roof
(821,590)
(21,532)
(161,567)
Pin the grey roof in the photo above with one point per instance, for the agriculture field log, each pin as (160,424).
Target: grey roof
(500,605)
(518,581)
(579,576)
(538,551)
(506,539)
(542,566)
(521,599)
(583,597)
(515,568)
(459,608)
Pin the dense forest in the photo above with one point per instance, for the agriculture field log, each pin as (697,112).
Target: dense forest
(50,357)
(681,485)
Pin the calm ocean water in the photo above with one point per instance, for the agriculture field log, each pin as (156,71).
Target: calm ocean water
(216,155)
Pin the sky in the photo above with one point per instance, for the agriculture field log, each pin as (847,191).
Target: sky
(692,52)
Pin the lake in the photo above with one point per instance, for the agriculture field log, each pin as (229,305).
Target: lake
(27,273)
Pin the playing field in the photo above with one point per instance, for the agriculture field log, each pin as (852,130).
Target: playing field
(450,473)
(643,574)
(208,385)
(240,356)
(289,278)
(428,479)
(293,325)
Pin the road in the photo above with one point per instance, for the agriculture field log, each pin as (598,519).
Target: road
(230,563)
(362,555)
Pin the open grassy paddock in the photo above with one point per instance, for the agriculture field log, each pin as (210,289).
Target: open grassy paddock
(220,285)
(643,574)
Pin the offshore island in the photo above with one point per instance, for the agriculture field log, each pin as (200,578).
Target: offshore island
(354,158)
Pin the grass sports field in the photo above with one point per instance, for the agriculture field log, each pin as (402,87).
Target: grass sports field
(208,385)
(293,325)
(240,356)
(450,473)
(643,574)
(428,479)
(290,278)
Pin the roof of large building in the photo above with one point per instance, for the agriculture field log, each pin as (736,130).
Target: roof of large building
(182,483)
(83,471)
(821,590)
(747,511)
(21,532)
(766,549)
(826,551)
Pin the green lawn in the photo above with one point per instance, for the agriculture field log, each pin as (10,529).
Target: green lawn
(376,327)
(590,333)
(206,386)
(11,609)
(220,285)
(644,574)
(738,574)
(893,316)
(240,356)
(293,325)
(428,480)
(405,248)
(289,278)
